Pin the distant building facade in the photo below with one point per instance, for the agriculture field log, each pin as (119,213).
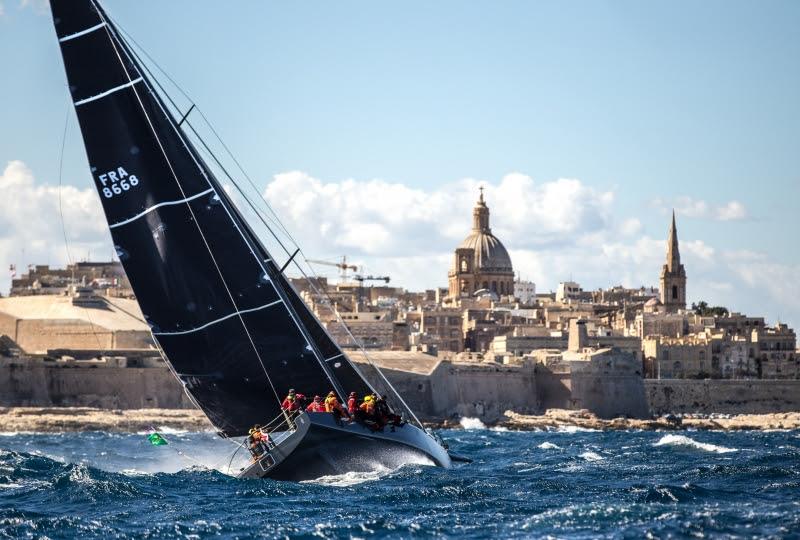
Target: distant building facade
(481,262)
(673,276)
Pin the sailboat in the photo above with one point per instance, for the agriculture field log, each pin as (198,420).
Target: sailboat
(230,325)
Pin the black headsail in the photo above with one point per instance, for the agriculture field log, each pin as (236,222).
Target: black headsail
(231,327)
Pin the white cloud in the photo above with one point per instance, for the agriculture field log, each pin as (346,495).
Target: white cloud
(700,209)
(734,210)
(30,222)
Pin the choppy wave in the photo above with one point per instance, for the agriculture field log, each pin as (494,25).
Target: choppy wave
(472,423)
(684,441)
(575,429)
(591,456)
(547,445)
(97,485)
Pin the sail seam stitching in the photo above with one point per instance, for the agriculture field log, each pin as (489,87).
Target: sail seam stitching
(159,205)
(215,321)
(108,92)
(82,32)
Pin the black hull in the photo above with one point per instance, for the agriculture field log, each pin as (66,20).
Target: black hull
(332,448)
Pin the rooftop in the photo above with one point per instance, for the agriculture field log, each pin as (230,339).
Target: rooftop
(116,314)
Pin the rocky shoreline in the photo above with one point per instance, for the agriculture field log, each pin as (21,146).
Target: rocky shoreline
(66,419)
(62,419)
(583,419)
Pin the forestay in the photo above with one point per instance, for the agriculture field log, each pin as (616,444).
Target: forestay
(231,327)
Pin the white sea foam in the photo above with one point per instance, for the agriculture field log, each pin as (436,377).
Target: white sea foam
(472,423)
(591,456)
(574,429)
(10,485)
(351,478)
(502,429)
(547,445)
(683,440)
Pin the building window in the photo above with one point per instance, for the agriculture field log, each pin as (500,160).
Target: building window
(674,292)
(463,264)
(494,286)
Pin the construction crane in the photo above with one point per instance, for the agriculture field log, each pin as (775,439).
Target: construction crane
(342,266)
(361,279)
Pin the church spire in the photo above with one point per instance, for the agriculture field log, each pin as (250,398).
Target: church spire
(673,254)
(672,284)
(480,215)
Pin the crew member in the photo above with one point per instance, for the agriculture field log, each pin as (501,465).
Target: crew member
(293,401)
(253,444)
(262,437)
(332,405)
(352,403)
(316,406)
(368,407)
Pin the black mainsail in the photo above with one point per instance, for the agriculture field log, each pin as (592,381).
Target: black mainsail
(231,327)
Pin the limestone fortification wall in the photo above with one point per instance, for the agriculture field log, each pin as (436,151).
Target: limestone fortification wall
(722,396)
(454,390)
(449,391)
(40,385)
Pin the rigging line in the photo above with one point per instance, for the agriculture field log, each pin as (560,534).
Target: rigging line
(266,204)
(180,187)
(210,126)
(63,224)
(312,346)
(290,309)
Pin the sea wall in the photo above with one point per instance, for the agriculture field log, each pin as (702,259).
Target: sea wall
(722,396)
(453,390)
(447,391)
(48,384)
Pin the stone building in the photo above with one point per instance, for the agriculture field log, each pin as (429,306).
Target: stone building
(481,261)
(673,357)
(673,275)
(78,321)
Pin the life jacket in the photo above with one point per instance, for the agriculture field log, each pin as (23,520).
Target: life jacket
(352,405)
(290,404)
(368,407)
(332,404)
(316,406)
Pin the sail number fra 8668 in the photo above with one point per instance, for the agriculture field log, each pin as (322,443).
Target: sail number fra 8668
(117,182)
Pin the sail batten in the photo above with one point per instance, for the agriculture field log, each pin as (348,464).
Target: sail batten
(228,323)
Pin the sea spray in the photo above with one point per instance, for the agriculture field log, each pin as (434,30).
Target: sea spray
(472,423)
(687,442)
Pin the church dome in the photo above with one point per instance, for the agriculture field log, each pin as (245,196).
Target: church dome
(490,254)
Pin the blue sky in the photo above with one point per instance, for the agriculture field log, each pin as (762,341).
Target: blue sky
(647,106)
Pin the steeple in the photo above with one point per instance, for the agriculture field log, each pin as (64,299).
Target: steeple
(673,254)
(480,215)
(672,284)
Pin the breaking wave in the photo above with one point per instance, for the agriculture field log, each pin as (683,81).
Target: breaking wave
(547,445)
(472,423)
(684,441)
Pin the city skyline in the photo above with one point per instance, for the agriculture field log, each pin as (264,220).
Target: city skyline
(598,172)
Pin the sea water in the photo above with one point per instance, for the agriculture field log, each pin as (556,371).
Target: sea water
(558,483)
